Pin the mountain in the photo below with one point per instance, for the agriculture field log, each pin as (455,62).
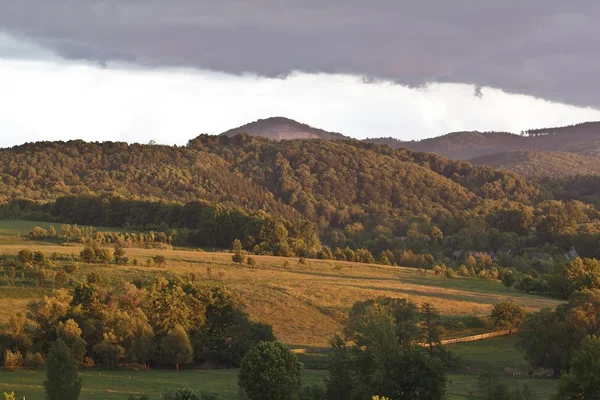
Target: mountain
(538,164)
(280,128)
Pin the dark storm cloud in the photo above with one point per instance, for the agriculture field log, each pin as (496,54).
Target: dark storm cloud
(547,48)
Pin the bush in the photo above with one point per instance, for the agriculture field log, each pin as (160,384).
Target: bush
(12,360)
(183,393)
(161,261)
(38,233)
(251,261)
(25,256)
(34,360)
(88,255)
(302,260)
(71,268)
(60,279)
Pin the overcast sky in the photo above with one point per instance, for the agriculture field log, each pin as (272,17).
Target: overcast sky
(138,70)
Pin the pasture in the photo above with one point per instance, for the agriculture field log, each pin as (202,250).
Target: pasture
(305,303)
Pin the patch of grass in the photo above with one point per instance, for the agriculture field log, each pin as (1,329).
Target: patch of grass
(501,353)
(106,385)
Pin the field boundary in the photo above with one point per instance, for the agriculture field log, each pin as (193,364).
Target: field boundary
(464,339)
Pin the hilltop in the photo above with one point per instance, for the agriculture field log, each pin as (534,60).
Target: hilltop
(280,128)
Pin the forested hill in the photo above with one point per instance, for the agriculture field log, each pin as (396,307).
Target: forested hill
(292,197)
(330,182)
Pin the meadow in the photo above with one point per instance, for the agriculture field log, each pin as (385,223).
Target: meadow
(305,302)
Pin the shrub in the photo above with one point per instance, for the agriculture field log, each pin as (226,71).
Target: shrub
(161,261)
(25,256)
(183,393)
(12,360)
(39,258)
(71,268)
(251,261)
(302,260)
(60,278)
(88,254)
(38,233)
(104,256)
(462,271)
(34,360)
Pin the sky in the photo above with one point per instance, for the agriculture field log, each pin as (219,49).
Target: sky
(133,70)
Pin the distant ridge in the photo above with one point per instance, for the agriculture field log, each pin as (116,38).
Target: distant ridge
(536,153)
(280,128)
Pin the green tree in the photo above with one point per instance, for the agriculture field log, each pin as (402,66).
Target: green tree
(70,333)
(270,371)
(88,255)
(38,233)
(544,342)
(52,232)
(17,332)
(509,279)
(432,326)
(238,255)
(583,381)
(62,379)
(508,315)
(119,254)
(176,348)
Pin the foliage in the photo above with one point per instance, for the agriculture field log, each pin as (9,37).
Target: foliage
(176,347)
(380,359)
(583,380)
(270,371)
(549,338)
(508,315)
(187,393)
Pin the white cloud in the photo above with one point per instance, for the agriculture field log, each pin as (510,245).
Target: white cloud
(43,97)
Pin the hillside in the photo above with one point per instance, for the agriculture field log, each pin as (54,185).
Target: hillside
(459,145)
(537,164)
(280,128)
(337,182)
(581,139)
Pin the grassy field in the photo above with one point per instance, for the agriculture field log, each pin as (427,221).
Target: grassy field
(106,385)
(501,352)
(502,355)
(306,304)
